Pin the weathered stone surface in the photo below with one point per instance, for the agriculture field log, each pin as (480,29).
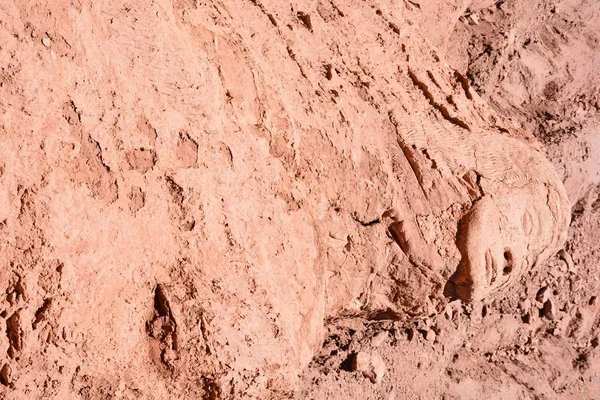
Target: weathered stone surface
(188,192)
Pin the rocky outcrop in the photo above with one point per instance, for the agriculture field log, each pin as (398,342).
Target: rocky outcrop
(190,189)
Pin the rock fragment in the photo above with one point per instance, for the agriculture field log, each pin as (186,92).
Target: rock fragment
(449,313)
(371,365)
(566,257)
(379,339)
(473,19)
(525,305)
(543,294)
(378,368)
(429,335)
(452,309)
(361,361)
(46,41)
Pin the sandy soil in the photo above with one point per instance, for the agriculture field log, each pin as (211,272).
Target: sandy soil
(219,199)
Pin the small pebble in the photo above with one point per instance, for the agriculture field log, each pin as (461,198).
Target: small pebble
(543,294)
(361,361)
(449,313)
(430,335)
(46,41)
(525,305)
(378,368)
(371,365)
(379,339)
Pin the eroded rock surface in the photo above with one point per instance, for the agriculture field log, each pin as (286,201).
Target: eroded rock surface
(190,189)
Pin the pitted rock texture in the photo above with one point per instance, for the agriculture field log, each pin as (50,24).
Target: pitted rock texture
(194,192)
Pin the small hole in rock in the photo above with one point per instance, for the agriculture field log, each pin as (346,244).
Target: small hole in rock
(346,365)
(508,257)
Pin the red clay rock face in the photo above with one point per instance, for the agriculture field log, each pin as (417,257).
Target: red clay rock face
(193,193)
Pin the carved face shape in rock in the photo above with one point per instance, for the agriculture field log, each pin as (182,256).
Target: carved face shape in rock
(517,224)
